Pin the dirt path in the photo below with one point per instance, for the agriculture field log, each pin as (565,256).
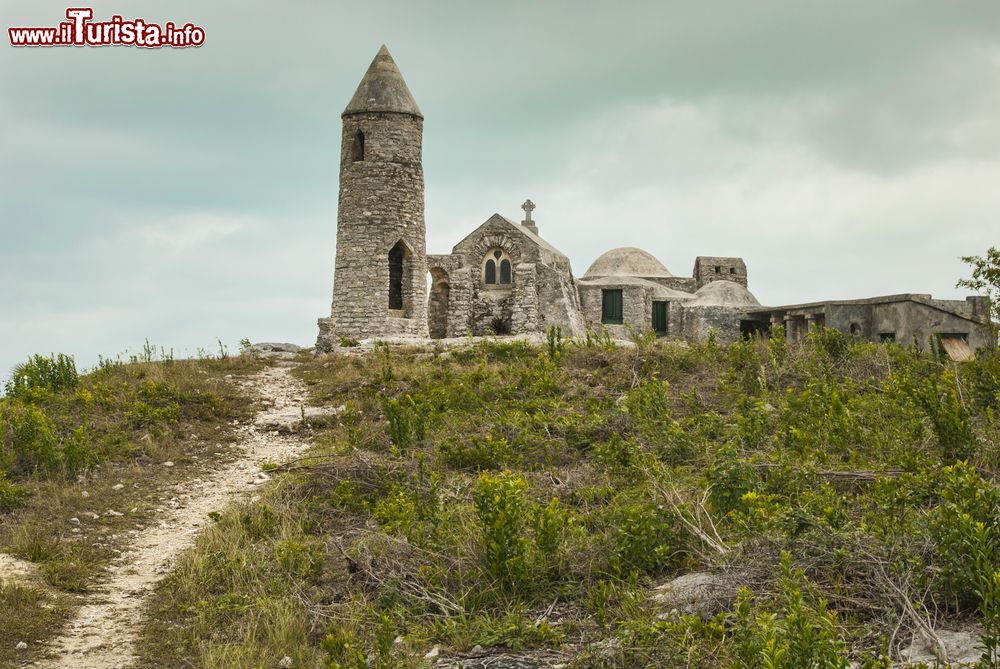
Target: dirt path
(102,634)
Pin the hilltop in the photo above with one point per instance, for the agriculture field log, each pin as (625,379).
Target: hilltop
(510,504)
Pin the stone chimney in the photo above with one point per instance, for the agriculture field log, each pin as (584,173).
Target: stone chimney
(980,306)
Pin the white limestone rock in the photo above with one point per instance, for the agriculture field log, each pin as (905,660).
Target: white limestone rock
(963,648)
(697,593)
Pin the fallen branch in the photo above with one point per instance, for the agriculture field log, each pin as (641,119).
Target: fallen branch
(698,520)
(859,475)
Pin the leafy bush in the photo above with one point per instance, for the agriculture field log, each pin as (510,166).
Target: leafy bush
(29,439)
(42,374)
(300,559)
(407,421)
(550,524)
(965,527)
(801,633)
(502,513)
(479,453)
(938,395)
(343,651)
(11,494)
(730,478)
(645,540)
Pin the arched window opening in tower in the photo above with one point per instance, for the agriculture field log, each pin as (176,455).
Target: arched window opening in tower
(491,271)
(504,271)
(396,257)
(358,147)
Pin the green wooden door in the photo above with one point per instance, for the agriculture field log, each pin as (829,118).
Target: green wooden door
(611,307)
(660,318)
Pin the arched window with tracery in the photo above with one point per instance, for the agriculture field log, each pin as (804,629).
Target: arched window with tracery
(497,269)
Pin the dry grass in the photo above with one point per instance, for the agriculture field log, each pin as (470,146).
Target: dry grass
(662,459)
(65,525)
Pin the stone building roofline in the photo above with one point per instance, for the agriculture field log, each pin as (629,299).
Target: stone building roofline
(724,294)
(657,290)
(521,230)
(382,89)
(920,298)
(627,261)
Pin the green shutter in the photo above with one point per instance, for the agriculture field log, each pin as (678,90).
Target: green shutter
(611,307)
(660,317)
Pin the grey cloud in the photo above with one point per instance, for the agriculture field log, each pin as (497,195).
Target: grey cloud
(767,129)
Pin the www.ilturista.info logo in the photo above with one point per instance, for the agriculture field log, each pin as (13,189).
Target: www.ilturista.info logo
(81,31)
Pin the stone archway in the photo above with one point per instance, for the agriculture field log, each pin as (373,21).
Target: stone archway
(437,306)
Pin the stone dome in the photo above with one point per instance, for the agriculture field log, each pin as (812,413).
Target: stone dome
(723,294)
(627,261)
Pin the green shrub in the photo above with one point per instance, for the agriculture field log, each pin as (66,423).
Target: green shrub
(29,439)
(258,521)
(619,455)
(299,558)
(479,453)
(989,607)
(501,510)
(965,527)
(550,524)
(11,495)
(396,512)
(730,477)
(801,633)
(42,374)
(407,421)
(939,397)
(343,651)
(832,344)
(645,539)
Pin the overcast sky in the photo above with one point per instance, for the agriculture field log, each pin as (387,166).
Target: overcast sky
(844,149)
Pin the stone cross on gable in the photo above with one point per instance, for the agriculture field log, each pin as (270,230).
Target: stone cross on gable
(528,207)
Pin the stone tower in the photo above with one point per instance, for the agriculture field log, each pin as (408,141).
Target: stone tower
(380,275)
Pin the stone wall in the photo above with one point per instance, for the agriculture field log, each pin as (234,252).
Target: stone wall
(685,284)
(453,305)
(637,309)
(381,203)
(907,321)
(696,323)
(717,268)
(558,301)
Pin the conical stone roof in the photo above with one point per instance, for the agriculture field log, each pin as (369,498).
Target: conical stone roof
(382,89)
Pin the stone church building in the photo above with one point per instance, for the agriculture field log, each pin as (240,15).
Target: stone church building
(505,278)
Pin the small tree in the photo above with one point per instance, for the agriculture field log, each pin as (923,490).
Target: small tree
(985,280)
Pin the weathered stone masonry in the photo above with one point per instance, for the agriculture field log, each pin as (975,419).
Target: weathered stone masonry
(380,213)
(504,277)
